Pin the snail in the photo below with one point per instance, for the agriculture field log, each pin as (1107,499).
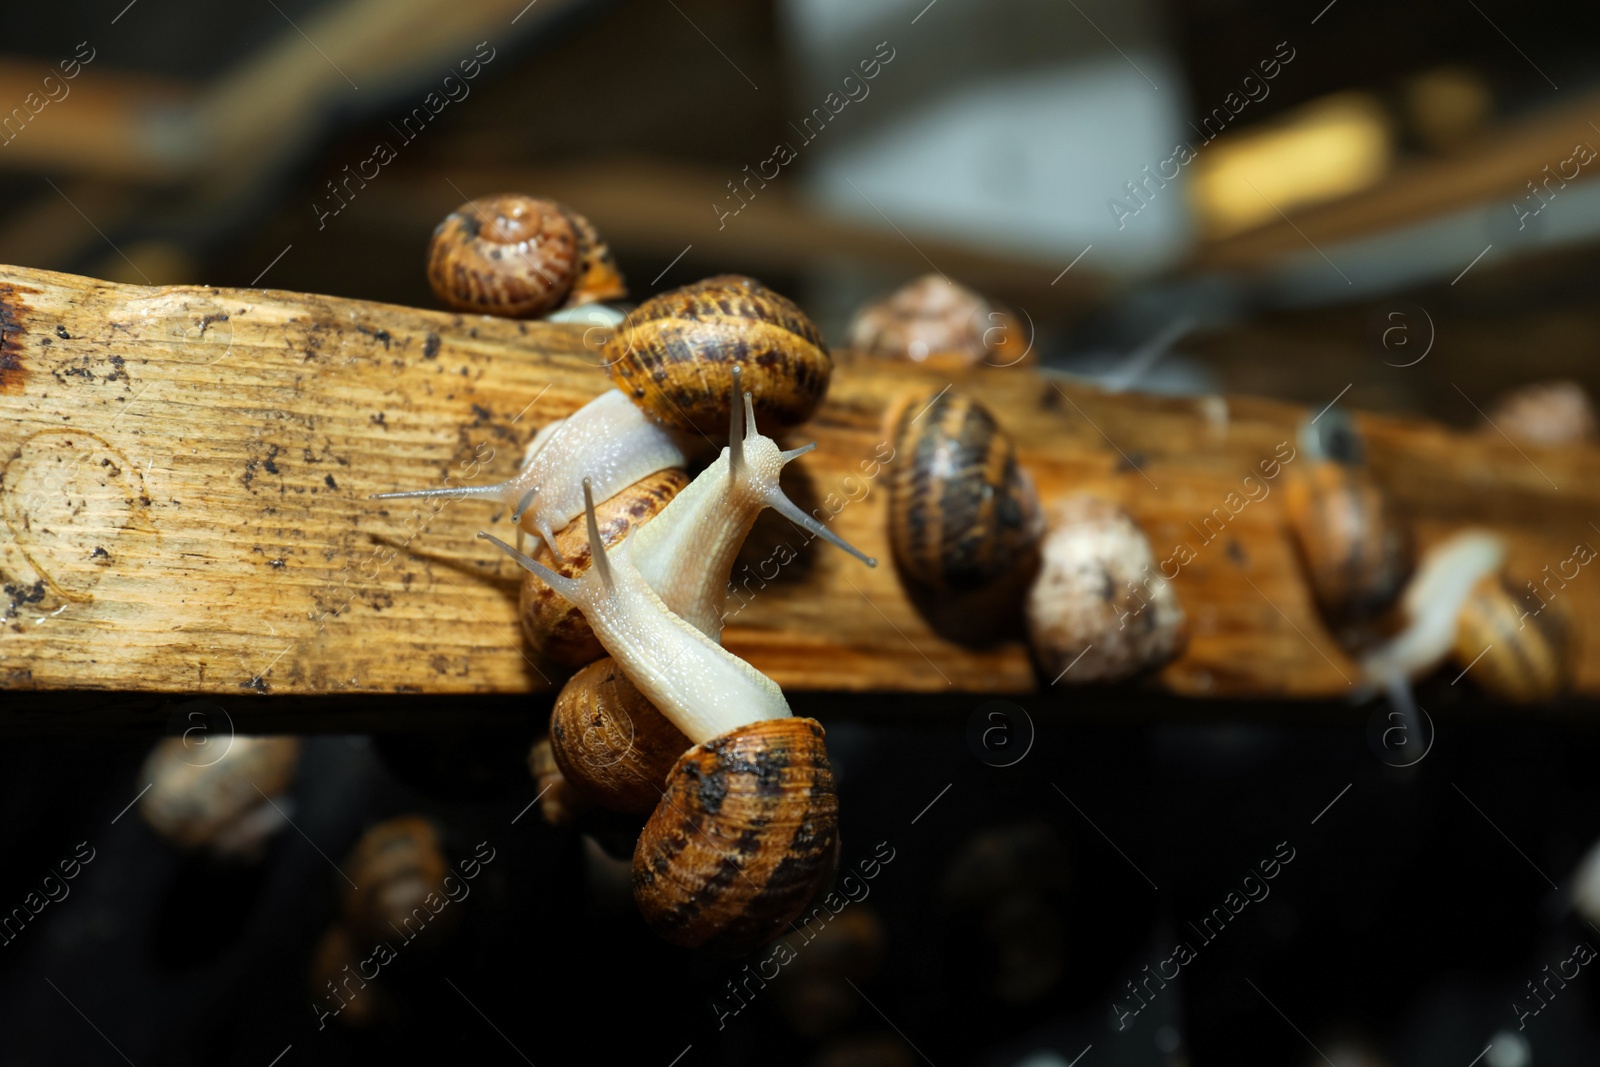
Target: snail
(934,317)
(519,256)
(1357,552)
(1098,611)
(747,824)
(1458,606)
(198,799)
(962,511)
(673,360)
(687,548)
(336,968)
(396,867)
(608,739)
(1544,413)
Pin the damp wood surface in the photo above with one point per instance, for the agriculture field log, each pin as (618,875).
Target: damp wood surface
(185,473)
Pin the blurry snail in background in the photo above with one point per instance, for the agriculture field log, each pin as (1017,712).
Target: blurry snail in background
(1459,606)
(1099,611)
(672,360)
(1357,552)
(815,995)
(520,256)
(230,803)
(1544,413)
(933,318)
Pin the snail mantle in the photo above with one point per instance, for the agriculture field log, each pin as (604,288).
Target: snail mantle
(185,474)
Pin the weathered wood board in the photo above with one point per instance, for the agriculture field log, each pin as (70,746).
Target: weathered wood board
(185,473)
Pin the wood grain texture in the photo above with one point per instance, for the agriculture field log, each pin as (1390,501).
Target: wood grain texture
(184,482)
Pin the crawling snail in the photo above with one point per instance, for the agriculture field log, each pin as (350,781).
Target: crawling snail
(1544,413)
(1099,611)
(962,510)
(686,539)
(607,738)
(395,867)
(672,360)
(1459,606)
(747,824)
(934,317)
(1356,550)
(220,802)
(519,256)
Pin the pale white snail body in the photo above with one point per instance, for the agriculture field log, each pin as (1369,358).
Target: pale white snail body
(1432,603)
(610,440)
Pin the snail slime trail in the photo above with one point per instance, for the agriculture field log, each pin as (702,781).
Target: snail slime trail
(855,90)
(743,988)
(453,88)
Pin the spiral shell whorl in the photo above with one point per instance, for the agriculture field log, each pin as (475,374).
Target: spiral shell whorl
(1529,655)
(1357,552)
(675,353)
(557,629)
(611,742)
(742,839)
(962,511)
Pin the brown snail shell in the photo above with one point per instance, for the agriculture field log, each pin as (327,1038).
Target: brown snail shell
(561,802)
(396,866)
(335,962)
(962,510)
(1544,413)
(518,255)
(933,318)
(742,839)
(674,355)
(1529,655)
(1098,606)
(612,743)
(556,629)
(1357,551)
(198,799)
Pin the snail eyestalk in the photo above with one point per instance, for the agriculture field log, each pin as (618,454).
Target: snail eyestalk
(597,545)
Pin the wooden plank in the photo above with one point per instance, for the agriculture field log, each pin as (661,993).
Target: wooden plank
(185,472)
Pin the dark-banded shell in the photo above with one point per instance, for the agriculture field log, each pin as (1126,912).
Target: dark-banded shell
(1099,610)
(1516,651)
(552,624)
(398,870)
(675,354)
(519,256)
(742,840)
(962,511)
(1357,551)
(611,742)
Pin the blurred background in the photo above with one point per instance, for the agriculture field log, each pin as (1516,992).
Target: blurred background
(1184,196)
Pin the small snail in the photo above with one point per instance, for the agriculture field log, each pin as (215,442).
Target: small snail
(1098,611)
(1458,606)
(673,360)
(934,317)
(396,866)
(336,969)
(1356,550)
(220,802)
(686,549)
(519,256)
(746,827)
(1544,413)
(962,511)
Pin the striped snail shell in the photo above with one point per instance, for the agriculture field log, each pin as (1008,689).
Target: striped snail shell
(612,743)
(396,866)
(731,854)
(934,317)
(555,628)
(962,511)
(1357,551)
(519,256)
(674,355)
(1517,655)
(1099,611)
(197,798)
